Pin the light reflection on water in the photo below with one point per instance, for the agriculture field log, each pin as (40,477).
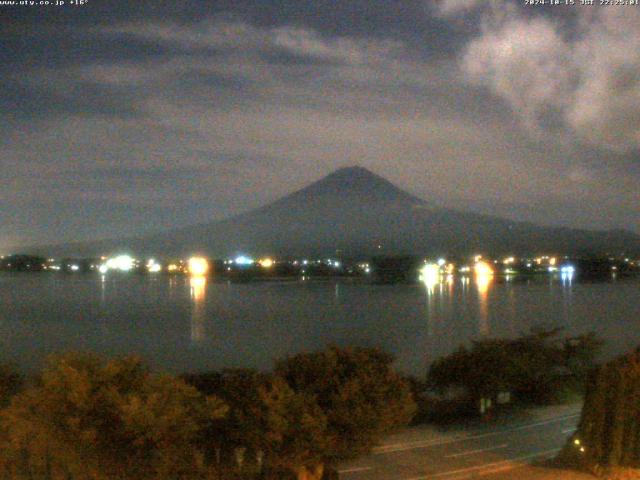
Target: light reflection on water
(198,289)
(439,287)
(483,283)
(249,325)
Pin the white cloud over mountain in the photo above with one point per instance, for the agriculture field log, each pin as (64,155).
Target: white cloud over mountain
(589,78)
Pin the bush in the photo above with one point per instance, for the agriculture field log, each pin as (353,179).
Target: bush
(313,411)
(90,418)
(534,368)
(359,392)
(10,383)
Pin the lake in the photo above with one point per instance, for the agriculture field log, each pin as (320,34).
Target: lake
(184,324)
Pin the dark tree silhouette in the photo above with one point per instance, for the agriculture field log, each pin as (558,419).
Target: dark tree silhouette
(609,431)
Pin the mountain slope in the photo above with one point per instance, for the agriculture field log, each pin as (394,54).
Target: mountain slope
(359,213)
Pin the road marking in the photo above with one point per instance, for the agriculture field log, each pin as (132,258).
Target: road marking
(507,467)
(504,468)
(400,447)
(479,450)
(355,469)
(501,465)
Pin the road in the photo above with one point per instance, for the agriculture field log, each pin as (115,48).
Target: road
(424,453)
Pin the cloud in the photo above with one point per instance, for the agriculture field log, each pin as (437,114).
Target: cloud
(308,43)
(606,104)
(120,70)
(449,8)
(585,82)
(169,121)
(526,63)
(242,38)
(63,96)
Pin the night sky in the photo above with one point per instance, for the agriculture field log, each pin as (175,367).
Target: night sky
(122,118)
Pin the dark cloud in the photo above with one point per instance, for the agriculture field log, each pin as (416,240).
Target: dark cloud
(67,47)
(71,97)
(125,118)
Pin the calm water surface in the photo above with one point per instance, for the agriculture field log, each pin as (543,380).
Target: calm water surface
(182,324)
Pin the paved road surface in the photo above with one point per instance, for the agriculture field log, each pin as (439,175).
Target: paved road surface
(424,453)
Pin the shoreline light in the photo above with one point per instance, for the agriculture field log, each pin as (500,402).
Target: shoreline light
(153,266)
(430,274)
(243,260)
(197,266)
(266,262)
(482,268)
(124,263)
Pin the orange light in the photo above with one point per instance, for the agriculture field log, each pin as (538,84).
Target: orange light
(197,284)
(198,266)
(483,269)
(266,262)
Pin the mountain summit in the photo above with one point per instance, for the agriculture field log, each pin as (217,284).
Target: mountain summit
(359,213)
(350,184)
(356,181)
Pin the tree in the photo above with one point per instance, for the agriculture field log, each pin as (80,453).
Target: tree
(580,353)
(609,430)
(10,383)
(94,419)
(267,418)
(358,391)
(482,371)
(315,410)
(534,367)
(292,427)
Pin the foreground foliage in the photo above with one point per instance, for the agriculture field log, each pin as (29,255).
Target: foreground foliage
(608,434)
(269,428)
(93,419)
(10,383)
(313,411)
(533,368)
(89,418)
(361,395)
